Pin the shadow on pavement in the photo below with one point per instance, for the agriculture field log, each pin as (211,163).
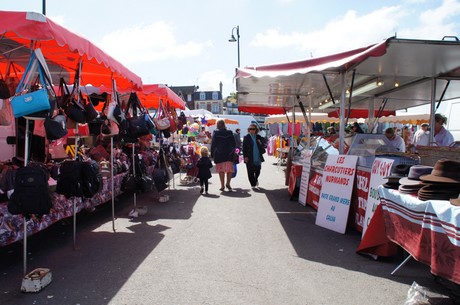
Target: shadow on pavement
(314,243)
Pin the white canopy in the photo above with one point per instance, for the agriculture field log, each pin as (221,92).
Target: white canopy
(315,117)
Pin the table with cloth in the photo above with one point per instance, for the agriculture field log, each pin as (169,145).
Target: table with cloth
(428,230)
(11,226)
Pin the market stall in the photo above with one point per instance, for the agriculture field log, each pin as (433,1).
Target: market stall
(373,81)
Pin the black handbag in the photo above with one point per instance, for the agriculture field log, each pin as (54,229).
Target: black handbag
(129,184)
(138,126)
(236,158)
(55,127)
(4,90)
(76,112)
(90,112)
(145,184)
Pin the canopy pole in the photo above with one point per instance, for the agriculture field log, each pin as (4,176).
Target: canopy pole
(342,115)
(310,102)
(432,109)
(112,183)
(372,122)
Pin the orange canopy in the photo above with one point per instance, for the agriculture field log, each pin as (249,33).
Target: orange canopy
(62,49)
(151,95)
(226,120)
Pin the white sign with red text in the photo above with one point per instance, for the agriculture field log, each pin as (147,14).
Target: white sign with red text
(306,166)
(380,168)
(337,187)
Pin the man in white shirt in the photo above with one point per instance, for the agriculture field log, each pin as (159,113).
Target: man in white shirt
(422,136)
(395,140)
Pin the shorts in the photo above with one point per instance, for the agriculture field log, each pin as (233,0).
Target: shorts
(225,167)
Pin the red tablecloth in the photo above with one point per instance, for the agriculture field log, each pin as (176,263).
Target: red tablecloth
(428,230)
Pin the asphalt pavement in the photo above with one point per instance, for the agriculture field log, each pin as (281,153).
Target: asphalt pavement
(241,247)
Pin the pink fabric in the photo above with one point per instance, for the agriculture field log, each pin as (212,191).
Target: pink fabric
(224,167)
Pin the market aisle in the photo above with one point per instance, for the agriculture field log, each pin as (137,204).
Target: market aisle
(243,247)
(256,247)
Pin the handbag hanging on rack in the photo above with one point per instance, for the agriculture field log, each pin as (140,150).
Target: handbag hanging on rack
(161,121)
(4,90)
(26,101)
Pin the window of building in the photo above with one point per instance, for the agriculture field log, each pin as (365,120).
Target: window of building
(201,106)
(215,108)
(215,96)
(189,97)
(202,96)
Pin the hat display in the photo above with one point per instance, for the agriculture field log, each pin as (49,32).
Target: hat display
(445,171)
(413,177)
(443,183)
(397,172)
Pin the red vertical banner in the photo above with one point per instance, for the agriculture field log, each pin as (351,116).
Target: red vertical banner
(314,189)
(359,204)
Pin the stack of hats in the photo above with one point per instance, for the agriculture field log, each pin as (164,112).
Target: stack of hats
(412,184)
(399,171)
(443,183)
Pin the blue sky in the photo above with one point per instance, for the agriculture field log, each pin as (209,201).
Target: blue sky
(186,42)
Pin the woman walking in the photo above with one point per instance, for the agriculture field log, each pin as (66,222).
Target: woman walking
(222,151)
(253,150)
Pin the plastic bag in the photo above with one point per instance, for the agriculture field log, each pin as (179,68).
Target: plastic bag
(417,295)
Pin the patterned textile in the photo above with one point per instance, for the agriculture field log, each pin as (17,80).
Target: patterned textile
(225,167)
(428,230)
(11,226)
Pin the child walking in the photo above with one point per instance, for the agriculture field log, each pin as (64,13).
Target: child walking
(204,166)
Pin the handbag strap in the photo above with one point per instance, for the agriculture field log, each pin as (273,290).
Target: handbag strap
(25,77)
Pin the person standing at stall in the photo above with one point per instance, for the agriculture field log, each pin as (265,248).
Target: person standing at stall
(442,136)
(421,136)
(253,150)
(222,151)
(204,166)
(395,140)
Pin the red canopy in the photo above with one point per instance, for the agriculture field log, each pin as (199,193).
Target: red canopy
(360,113)
(151,95)
(62,50)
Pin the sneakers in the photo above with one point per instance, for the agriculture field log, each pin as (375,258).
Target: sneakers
(201,190)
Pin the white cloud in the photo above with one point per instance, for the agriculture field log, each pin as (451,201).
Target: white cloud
(149,43)
(352,30)
(344,33)
(209,81)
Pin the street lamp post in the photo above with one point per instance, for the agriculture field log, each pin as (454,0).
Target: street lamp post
(237,40)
